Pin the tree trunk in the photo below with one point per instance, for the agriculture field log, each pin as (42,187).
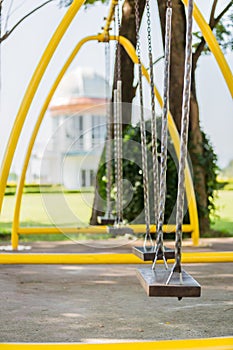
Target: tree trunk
(127,30)
(175,101)
(177,56)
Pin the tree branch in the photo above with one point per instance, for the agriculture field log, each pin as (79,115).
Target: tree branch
(217,19)
(6,35)
(212,23)
(212,13)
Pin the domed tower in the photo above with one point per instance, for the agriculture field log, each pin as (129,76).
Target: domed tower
(78,112)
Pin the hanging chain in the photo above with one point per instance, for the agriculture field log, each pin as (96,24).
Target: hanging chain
(118,44)
(153,119)
(119,145)
(142,129)
(183,144)
(115,125)
(164,132)
(109,136)
(116,151)
(118,154)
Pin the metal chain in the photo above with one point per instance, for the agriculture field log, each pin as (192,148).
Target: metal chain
(164,132)
(120,151)
(153,119)
(118,127)
(109,136)
(183,144)
(118,44)
(142,128)
(116,148)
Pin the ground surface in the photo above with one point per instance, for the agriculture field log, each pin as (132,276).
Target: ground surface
(106,303)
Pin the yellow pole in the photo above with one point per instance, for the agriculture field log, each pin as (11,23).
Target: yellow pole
(94,229)
(172,128)
(225,343)
(213,46)
(102,258)
(109,19)
(30,93)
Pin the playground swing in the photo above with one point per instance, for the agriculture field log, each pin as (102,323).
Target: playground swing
(118,227)
(174,282)
(149,253)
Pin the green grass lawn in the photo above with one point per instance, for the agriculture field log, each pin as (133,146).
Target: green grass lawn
(68,209)
(223,221)
(74,209)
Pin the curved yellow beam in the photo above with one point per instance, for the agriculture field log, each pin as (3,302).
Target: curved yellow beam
(183,344)
(213,46)
(102,258)
(30,93)
(172,128)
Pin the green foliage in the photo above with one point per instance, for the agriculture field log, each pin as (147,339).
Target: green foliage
(224,34)
(209,163)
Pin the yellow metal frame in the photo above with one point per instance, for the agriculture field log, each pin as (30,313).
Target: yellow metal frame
(213,343)
(94,229)
(16,230)
(34,83)
(102,258)
(184,344)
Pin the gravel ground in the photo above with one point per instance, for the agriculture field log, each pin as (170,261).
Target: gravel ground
(101,303)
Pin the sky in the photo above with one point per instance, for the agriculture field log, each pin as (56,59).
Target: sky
(21,52)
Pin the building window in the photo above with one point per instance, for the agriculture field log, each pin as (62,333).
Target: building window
(92,178)
(81,131)
(98,129)
(83,178)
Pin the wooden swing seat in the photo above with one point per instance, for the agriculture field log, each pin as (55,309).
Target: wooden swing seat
(154,283)
(148,254)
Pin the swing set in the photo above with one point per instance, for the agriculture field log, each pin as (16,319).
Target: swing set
(157,281)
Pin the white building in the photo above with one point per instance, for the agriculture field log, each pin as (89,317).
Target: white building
(78,113)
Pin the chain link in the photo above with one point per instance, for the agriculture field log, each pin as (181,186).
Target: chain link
(118,44)
(116,153)
(142,129)
(153,118)
(120,150)
(109,136)
(183,144)
(164,133)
